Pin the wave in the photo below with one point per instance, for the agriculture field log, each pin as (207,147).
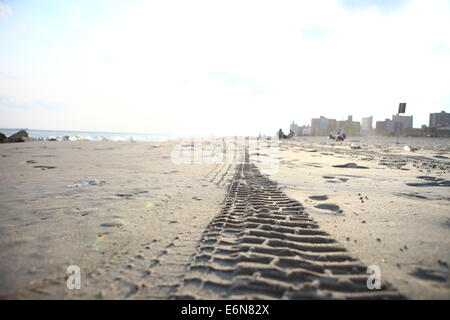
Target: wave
(101,138)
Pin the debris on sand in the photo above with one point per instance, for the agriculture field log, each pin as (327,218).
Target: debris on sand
(355,146)
(410,149)
(87,183)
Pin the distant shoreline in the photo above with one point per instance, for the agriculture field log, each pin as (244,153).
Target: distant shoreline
(69,135)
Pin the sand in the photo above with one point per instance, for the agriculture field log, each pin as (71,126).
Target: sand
(392,213)
(150,226)
(132,235)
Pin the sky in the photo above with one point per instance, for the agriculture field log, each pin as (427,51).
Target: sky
(219,67)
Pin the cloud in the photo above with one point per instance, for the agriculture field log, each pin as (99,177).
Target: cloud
(48,105)
(315,32)
(5,10)
(235,80)
(442,46)
(8,75)
(385,6)
(74,16)
(11,102)
(14,103)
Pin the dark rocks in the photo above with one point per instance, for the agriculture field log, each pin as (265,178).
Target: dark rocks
(20,136)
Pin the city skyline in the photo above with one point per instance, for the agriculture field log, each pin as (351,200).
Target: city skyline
(402,123)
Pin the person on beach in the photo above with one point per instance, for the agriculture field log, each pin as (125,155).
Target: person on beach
(291,134)
(341,136)
(281,134)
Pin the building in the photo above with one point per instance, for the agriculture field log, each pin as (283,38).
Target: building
(382,127)
(366,125)
(440,119)
(305,130)
(350,127)
(300,130)
(385,128)
(402,123)
(416,132)
(443,132)
(294,128)
(322,126)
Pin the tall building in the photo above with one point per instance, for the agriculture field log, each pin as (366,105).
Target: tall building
(440,119)
(366,125)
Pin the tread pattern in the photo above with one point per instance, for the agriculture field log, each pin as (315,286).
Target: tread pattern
(263,245)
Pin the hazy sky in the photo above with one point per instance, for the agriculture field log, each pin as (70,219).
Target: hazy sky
(219,67)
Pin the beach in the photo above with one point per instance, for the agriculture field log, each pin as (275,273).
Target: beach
(393,212)
(150,227)
(144,211)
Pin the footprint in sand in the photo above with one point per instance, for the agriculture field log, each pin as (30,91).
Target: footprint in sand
(329,207)
(44,156)
(429,178)
(330,179)
(44,167)
(117,223)
(432,182)
(430,275)
(130,195)
(312,164)
(318,198)
(351,165)
(411,195)
(125,195)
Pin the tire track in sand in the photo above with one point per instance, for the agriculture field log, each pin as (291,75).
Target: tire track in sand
(263,245)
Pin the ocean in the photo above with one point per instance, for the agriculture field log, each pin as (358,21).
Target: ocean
(92,135)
